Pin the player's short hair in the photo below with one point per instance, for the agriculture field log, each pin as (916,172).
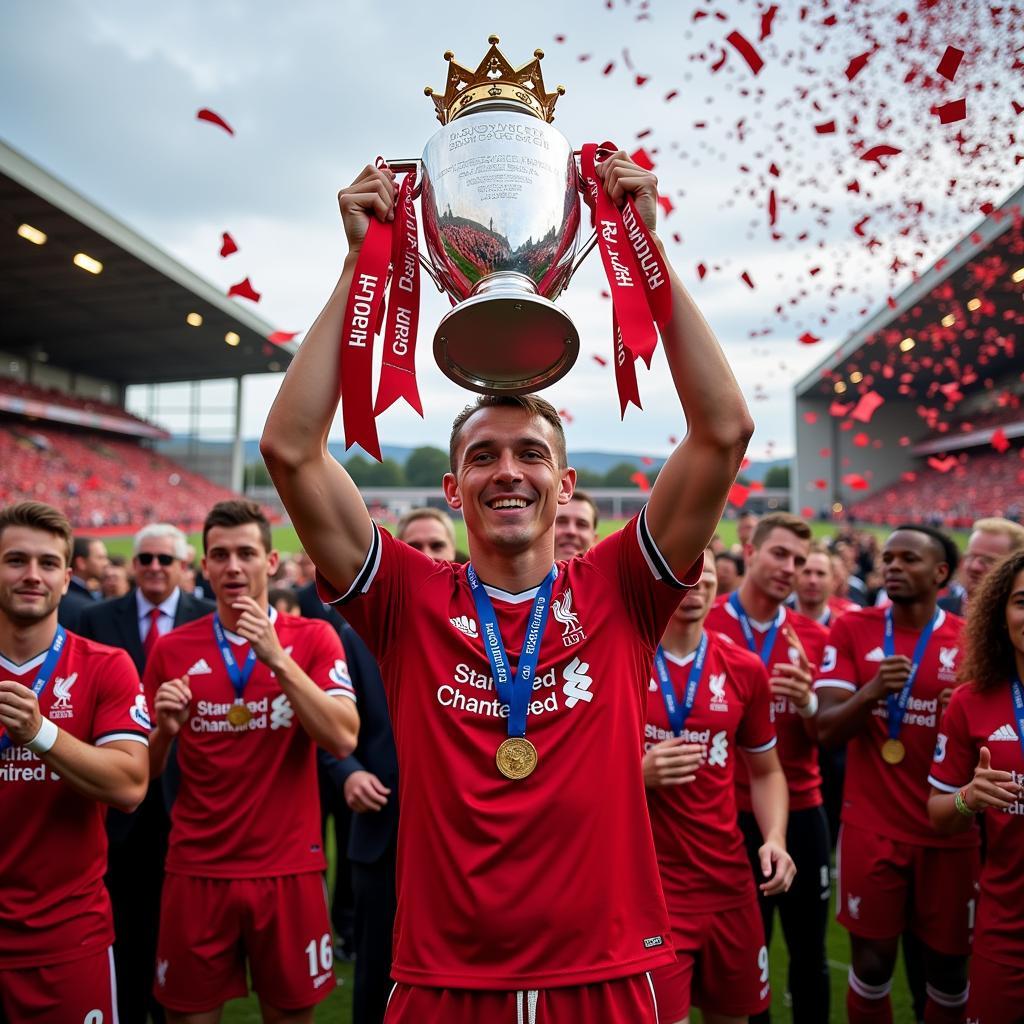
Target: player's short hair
(779,521)
(154,531)
(989,652)
(80,548)
(118,561)
(728,556)
(820,548)
(426,512)
(532,404)
(1014,532)
(950,552)
(286,594)
(579,495)
(238,512)
(36,515)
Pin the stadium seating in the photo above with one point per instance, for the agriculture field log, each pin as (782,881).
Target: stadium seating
(34,392)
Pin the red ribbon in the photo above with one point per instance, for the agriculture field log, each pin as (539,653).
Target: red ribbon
(625,372)
(398,364)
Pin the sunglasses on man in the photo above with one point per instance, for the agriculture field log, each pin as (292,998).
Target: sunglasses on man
(146,558)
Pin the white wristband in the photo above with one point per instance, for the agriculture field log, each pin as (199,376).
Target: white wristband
(810,709)
(43,740)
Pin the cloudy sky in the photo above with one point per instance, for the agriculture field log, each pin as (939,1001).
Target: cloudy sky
(104,95)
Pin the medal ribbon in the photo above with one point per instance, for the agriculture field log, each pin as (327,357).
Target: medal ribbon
(677,715)
(897,703)
(398,362)
(239,676)
(1018,708)
(515,694)
(765,653)
(42,680)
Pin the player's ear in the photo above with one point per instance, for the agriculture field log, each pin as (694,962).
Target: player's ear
(273,561)
(566,485)
(450,486)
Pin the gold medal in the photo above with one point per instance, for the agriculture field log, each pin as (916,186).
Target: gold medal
(239,715)
(893,751)
(516,758)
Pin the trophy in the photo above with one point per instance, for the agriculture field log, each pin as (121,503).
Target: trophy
(500,209)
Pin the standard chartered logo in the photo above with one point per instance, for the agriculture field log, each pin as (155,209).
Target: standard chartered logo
(281,713)
(577,683)
(719,752)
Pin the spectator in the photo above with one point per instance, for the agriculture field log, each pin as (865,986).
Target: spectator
(88,560)
(115,581)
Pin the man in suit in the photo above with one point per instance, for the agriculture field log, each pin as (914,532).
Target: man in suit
(138,842)
(991,540)
(88,560)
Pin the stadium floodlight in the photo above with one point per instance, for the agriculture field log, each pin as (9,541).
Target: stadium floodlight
(31,234)
(974,304)
(839,387)
(949,320)
(1018,275)
(908,343)
(856,377)
(86,262)
(194,319)
(232,339)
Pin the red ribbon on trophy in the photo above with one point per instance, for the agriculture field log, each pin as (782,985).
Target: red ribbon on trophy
(637,276)
(388,246)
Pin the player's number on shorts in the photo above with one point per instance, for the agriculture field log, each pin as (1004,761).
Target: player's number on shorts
(326,958)
(762,962)
(93,1017)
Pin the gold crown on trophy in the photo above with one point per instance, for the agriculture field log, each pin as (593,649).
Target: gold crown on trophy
(495,79)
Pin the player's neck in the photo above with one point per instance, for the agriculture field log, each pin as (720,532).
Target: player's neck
(229,616)
(515,572)
(756,603)
(19,643)
(812,611)
(682,638)
(916,614)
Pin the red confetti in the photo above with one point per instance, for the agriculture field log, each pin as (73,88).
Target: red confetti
(838,409)
(746,279)
(244,290)
(642,159)
(857,64)
(954,110)
(738,495)
(671,95)
(878,153)
(999,441)
(767,17)
(1018,108)
(856,482)
(609,68)
(641,481)
(772,208)
(214,118)
(228,245)
(746,50)
(950,63)
(701,271)
(564,414)
(600,360)
(642,79)
(281,337)
(822,485)
(810,418)
(672,440)
(942,465)
(808,339)
(825,128)
(867,406)
(861,440)
(807,512)
(667,205)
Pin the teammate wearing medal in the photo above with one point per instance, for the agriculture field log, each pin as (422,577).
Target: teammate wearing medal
(883,680)
(509,908)
(789,645)
(708,699)
(978,769)
(249,694)
(73,733)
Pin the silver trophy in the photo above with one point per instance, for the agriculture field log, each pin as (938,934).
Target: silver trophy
(501,215)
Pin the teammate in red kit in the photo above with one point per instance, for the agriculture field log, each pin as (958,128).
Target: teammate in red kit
(576,526)
(708,699)
(73,734)
(527,881)
(249,694)
(789,645)
(814,595)
(978,769)
(883,680)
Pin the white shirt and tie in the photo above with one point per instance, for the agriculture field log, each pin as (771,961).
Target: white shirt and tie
(164,621)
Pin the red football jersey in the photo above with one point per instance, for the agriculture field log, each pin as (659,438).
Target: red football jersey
(248,805)
(700,848)
(797,751)
(974,720)
(53,903)
(891,799)
(550,880)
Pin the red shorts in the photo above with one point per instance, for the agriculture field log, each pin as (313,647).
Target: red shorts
(210,926)
(83,991)
(721,965)
(623,1001)
(997,993)
(887,886)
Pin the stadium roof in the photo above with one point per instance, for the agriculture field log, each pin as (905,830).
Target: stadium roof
(125,324)
(921,306)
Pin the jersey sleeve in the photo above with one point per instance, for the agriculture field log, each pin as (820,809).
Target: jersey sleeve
(122,712)
(650,590)
(838,667)
(955,758)
(376,600)
(756,733)
(326,664)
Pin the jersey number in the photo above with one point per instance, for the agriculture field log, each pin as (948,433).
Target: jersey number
(762,962)
(93,1017)
(326,950)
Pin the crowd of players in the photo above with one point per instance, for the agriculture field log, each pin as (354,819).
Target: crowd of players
(598,824)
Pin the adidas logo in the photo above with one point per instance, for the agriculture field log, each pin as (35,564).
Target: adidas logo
(1004,732)
(876,655)
(466,624)
(200,668)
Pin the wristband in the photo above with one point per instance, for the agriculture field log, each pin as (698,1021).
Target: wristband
(43,740)
(960,803)
(810,709)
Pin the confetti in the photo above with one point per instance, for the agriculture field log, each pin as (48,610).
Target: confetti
(228,245)
(942,465)
(866,406)
(857,65)
(745,50)
(999,441)
(282,337)
(738,495)
(879,153)
(244,290)
(808,339)
(954,110)
(641,481)
(950,63)
(825,128)
(213,118)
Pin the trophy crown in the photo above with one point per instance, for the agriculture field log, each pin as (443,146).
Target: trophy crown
(494,78)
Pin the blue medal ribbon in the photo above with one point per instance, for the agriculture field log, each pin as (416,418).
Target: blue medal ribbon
(897,702)
(42,680)
(513,693)
(765,653)
(239,676)
(1018,708)
(678,714)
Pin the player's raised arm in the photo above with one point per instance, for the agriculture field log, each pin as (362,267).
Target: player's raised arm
(324,504)
(689,497)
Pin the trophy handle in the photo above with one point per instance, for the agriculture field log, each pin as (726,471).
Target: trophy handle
(584,253)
